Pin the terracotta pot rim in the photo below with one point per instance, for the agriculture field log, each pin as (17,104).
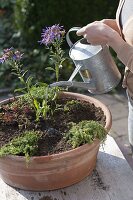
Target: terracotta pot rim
(77,149)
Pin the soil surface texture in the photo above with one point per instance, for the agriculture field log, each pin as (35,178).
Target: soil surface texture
(52,128)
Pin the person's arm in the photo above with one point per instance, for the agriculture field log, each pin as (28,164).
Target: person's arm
(98,33)
(124,50)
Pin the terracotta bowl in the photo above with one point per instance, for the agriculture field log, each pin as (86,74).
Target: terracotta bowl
(57,170)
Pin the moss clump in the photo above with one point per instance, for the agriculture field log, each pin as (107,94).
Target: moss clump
(73,104)
(24,145)
(85,132)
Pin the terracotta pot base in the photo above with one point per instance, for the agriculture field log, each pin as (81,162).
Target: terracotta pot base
(57,170)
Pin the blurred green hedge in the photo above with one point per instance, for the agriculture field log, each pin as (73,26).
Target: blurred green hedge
(33,15)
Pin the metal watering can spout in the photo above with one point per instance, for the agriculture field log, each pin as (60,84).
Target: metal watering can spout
(94,64)
(74,84)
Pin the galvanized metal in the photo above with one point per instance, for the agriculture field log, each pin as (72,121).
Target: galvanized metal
(95,65)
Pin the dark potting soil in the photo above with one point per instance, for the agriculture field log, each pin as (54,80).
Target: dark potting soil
(53,128)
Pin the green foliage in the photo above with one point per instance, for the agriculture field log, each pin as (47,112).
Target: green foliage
(42,102)
(71,105)
(42,92)
(24,145)
(43,96)
(6,37)
(6,3)
(85,132)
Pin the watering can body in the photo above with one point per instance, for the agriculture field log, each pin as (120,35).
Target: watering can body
(95,65)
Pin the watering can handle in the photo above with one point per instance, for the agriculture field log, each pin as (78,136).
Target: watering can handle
(67,35)
(68,38)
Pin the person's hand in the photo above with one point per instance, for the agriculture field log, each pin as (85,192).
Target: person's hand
(111,23)
(97,33)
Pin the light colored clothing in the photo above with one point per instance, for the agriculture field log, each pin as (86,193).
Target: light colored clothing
(126,12)
(126,30)
(130,120)
(124,17)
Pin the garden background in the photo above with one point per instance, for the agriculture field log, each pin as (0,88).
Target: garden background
(21,24)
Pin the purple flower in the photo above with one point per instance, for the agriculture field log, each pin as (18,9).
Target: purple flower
(8,50)
(17,55)
(51,34)
(2,60)
(10,54)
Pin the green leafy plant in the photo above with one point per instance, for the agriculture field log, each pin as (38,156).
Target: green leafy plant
(85,132)
(43,97)
(24,145)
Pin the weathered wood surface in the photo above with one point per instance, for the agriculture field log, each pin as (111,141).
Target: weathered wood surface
(112,180)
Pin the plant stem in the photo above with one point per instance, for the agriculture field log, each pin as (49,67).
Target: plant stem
(17,68)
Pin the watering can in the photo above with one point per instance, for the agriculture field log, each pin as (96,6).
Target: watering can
(94,64)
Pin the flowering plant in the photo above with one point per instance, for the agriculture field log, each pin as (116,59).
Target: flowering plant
(13,58)
(52,38)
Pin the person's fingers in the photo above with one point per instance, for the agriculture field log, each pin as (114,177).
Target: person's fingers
(81,31)
(85,36)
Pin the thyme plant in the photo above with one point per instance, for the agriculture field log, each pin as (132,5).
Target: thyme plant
(85,132)
(24,145)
